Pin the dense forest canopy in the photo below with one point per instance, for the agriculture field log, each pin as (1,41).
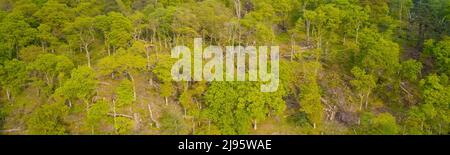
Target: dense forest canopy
(103,67)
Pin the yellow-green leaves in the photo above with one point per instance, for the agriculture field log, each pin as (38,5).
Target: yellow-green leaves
(48,119)
(381,124)
(124,93)
(410,70)
(13,76)
(235,106)
(81,85)
(440,51)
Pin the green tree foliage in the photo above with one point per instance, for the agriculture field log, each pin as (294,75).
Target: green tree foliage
(381,124)
(400,9)
(81,34)
(97,115)
(55,15)
(309,101)
(410,70)
(189,99)
(121,28)
(172,123)
(104,66)
(430,20)
(89,8)
(380,56)
(123,125)
(430,116)
(363,84)
(46,38)
(50,70)
(235,106)
(139,24)
(81,85)
(123,62)
(13,76)
(325,21)
(257,24)
(440,52)
(353,20)
(162,71)
(124,93)
(14,35)
(116,30)
(214,20)
(30,53)
(379,14)
(160,24)
(48,119)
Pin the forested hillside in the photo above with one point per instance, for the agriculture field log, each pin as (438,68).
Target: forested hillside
(103,67)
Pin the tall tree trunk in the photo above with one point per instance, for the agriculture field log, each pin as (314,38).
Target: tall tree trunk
(367,99)
(167,103)
(87,106)
(107,47)
(70,103)
(43,46)
(88,55)
(151,115)
(8,95)
(134,85)
(308,27)
(147,54)
(47,79)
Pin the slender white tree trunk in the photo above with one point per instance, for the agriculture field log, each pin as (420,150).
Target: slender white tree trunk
(134,86)
(167,103)
(88,54)
(8,95)
(151,115)
(367,99)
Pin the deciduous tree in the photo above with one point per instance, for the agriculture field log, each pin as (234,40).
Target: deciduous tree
(13,76)
(48,119)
